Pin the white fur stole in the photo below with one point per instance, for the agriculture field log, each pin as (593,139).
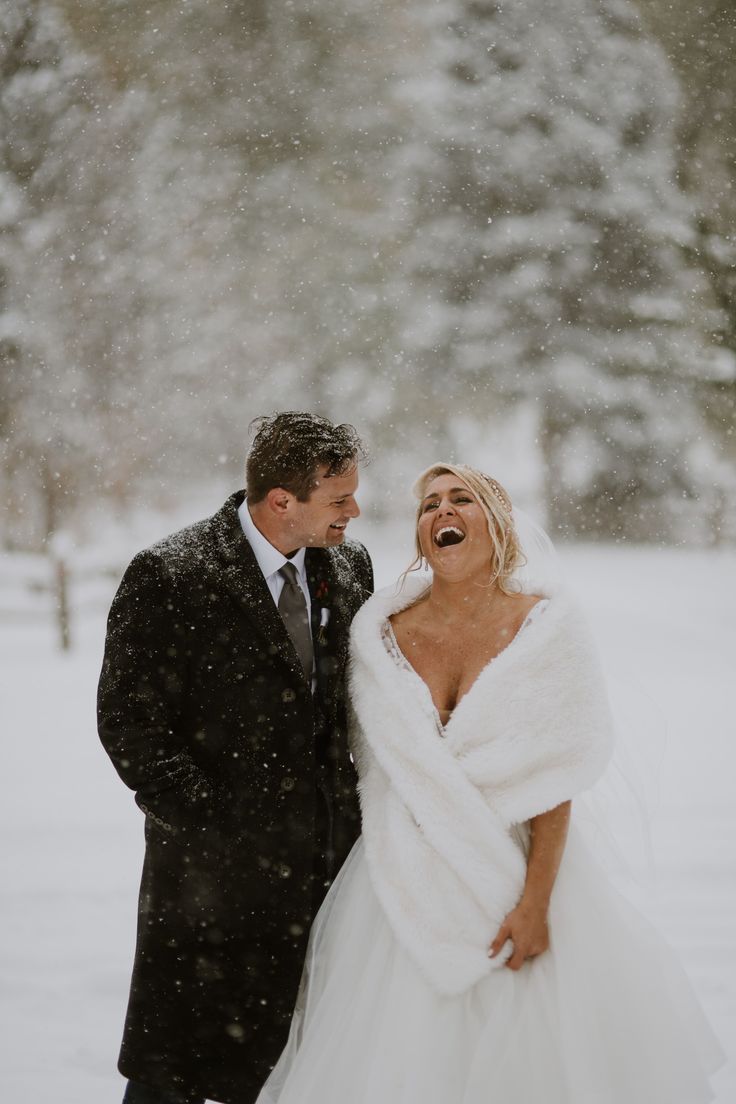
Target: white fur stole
(533,731)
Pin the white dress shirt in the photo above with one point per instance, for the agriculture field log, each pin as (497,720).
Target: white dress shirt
(270,560)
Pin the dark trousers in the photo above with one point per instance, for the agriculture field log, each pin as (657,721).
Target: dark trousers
(136,1093)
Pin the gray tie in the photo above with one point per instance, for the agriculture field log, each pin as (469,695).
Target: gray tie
(293,610)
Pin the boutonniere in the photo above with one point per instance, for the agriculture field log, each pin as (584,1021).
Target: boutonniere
(324,617)
(322,591)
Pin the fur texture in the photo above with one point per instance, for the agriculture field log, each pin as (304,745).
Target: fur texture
(533,731)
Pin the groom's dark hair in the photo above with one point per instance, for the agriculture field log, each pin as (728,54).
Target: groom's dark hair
(288,448)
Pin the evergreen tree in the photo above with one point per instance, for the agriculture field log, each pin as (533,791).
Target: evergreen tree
(458,223)
(45,100)
(547,261)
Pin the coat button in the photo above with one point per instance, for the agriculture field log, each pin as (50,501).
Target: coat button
(288,783)
(288,695)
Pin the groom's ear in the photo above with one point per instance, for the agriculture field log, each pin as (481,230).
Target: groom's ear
(278,500)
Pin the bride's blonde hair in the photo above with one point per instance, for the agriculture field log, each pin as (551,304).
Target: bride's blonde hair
(495,503)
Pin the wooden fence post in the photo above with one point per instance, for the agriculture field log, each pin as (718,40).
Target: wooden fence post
(62,603)
(59,548)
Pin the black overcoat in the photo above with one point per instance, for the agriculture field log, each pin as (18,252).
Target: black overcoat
(248,790)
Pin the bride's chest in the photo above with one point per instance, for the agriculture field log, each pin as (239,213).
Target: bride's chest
(450,667)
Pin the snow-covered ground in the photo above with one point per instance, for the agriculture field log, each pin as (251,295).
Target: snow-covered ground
(666,623)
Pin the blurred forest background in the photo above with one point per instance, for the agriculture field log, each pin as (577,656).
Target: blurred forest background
(501,232)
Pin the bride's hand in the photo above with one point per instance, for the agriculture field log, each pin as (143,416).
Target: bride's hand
(526,927)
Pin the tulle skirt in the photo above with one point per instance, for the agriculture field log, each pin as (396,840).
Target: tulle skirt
(605,1016)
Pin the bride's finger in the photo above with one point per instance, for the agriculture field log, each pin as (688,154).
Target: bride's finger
(516,960)
(503,934)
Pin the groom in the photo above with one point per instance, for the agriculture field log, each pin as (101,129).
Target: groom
(221,704)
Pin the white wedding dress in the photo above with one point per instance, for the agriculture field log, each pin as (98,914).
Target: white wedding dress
(605,1016)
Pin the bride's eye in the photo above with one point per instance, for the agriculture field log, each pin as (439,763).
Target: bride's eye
(429,506)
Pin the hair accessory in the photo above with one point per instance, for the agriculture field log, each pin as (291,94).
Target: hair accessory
(499,494)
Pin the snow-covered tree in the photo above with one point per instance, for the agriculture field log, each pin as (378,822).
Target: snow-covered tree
(45,101)
(700,42)
(456,223)
(547,262)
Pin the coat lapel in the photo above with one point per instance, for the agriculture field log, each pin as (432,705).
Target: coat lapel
(336,596)
(243,579)
(332,587)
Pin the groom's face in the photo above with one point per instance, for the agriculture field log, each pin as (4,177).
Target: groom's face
(321,521)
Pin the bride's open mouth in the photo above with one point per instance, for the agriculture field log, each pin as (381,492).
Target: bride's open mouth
(448,535)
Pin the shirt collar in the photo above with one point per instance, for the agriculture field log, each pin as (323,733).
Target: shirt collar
(269,559)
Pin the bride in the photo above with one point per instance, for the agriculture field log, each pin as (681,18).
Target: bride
(470,950)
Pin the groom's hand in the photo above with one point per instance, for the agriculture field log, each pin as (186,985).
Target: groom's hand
(526,927)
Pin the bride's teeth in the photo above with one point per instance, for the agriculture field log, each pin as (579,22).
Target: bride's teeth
(448,529)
